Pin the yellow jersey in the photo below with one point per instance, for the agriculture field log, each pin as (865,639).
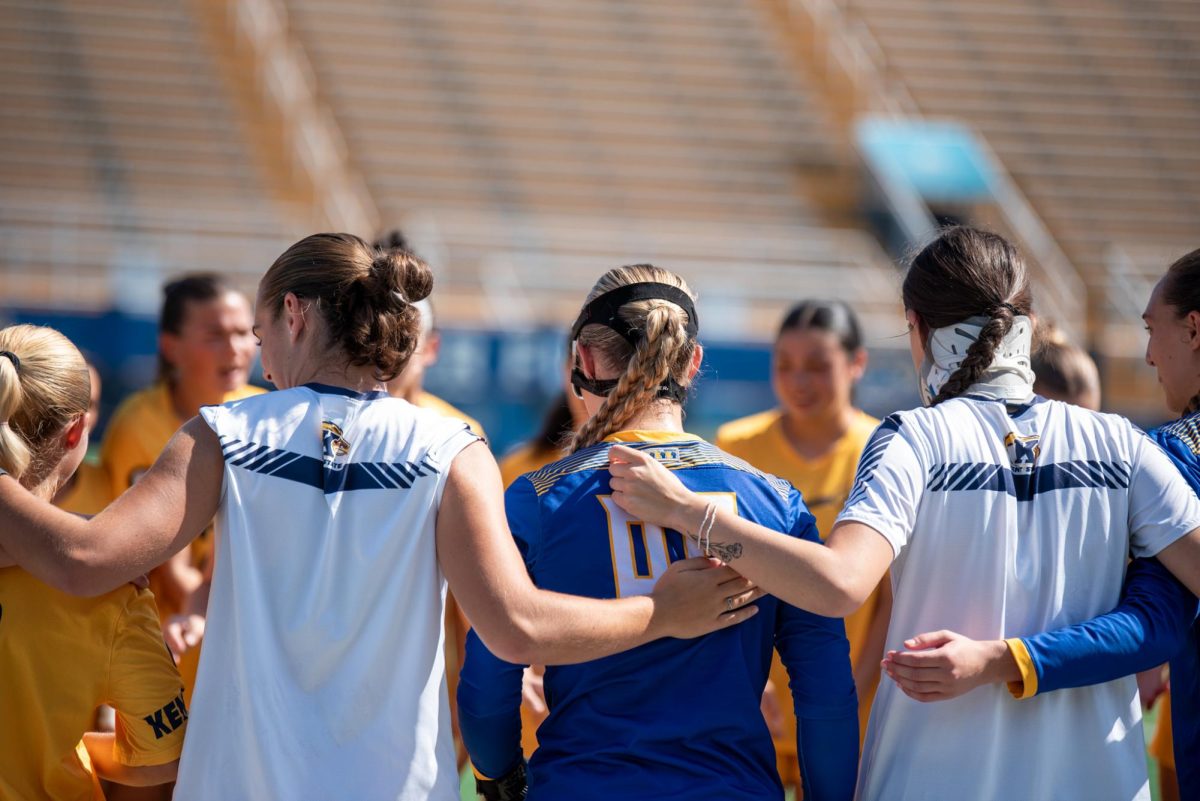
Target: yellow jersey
(90,490)
(526,458)
(60,658)
(436,404)
(137,433)
(825,484)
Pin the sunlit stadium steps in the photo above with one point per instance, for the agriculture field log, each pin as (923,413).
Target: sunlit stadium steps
(1094,107)
(537,270)
(121,156)
(663,109)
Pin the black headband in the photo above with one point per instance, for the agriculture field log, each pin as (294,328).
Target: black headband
(605,310)
(12,357)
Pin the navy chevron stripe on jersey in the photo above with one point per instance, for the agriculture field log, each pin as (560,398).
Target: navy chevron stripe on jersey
(871,454)
(959,477)
(1186,430)
(315,472)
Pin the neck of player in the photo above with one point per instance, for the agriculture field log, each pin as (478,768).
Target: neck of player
(813,436)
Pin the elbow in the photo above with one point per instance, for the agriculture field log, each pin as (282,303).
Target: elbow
(79,574)
(514,642)
(848,594)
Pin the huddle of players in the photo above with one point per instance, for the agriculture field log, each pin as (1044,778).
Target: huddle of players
(813,440)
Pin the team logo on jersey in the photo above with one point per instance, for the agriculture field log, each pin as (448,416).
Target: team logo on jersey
(1022,452)
(335,447)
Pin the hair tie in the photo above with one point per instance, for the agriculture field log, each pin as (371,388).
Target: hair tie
(13,358)
(1009,306)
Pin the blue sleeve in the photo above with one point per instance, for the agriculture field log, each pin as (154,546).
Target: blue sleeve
(816,654)
(1181,456)
(489,689)
(1149,625)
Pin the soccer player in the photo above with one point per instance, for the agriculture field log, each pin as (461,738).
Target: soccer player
(1002,514)
(205,351)
(671,719)
(814,440)
(89,489)
(342,513)
(1157,617)
(1063,371)
(62,656)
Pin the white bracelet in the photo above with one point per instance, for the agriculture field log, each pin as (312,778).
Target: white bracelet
(704,535)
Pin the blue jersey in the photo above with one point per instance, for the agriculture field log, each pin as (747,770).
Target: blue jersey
(672,718)
(1156,621)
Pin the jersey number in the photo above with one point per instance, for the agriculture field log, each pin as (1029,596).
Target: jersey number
(642,552)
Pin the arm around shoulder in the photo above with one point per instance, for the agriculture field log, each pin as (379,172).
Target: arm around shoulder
(158,516)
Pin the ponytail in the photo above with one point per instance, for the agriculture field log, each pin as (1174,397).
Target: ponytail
(965,273)
(651,365)
(655,345)
(44,386)
(14,453)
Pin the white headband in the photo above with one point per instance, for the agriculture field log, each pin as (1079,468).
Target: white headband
(1009,377)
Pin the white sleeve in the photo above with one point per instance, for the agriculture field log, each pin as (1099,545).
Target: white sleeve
(1162,505)
(888,486)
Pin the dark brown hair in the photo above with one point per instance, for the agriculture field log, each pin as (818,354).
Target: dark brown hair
(1181,291)
(177,295)
(831,316)
(365,295)
(966,273)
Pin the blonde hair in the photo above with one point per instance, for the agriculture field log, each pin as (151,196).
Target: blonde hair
(664,350)
(38,399)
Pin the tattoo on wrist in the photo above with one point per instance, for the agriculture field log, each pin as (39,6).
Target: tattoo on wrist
(725,551)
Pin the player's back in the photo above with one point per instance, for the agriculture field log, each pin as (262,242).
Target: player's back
(1018,521)
(673,718)
(322,672)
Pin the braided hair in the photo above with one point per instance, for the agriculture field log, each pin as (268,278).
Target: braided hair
(664,350)
(964,273)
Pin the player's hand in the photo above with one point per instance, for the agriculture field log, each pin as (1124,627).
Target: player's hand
(533,691)
(510,787)
(1151,684)
(943,665)
(183,633)
(648,491)
(700,595)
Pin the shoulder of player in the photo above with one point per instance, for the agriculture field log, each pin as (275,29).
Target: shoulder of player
(736,432)
(1185,430)
(135,408)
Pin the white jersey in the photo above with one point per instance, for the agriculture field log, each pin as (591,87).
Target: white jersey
(322,673)
(1005,525)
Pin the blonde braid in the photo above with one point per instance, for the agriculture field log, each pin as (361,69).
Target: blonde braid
(658,356)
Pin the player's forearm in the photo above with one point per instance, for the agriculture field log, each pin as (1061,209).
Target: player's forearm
(828,753)
(1148,627)
(100,750)
(53,545)
(556,629)
(489,709)
(805,574)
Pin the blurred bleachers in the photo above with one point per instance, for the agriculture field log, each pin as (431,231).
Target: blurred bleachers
(121,157)
(1093,106)
(540,143)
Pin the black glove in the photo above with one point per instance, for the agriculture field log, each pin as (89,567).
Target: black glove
(510,787)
